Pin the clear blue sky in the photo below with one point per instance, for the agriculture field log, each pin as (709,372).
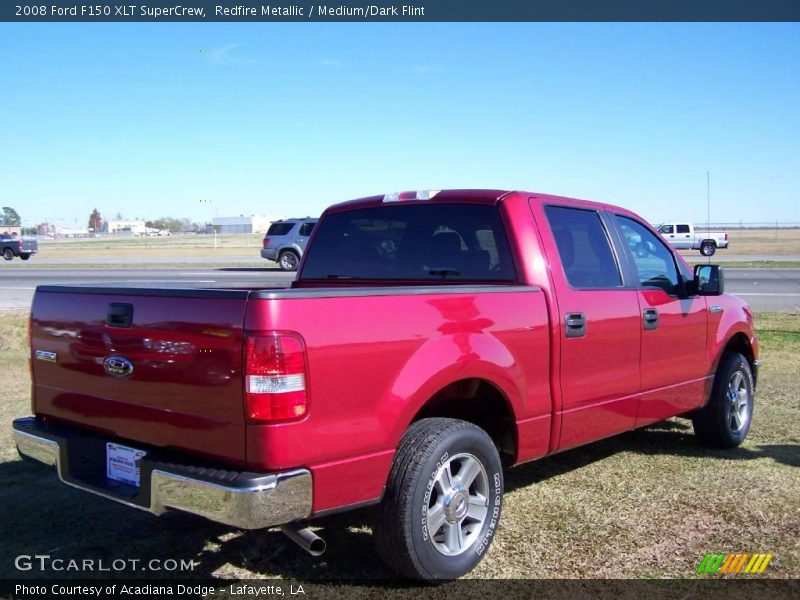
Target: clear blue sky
(286,119)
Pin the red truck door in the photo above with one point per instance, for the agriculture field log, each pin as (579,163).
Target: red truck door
(599,324)
(674,360)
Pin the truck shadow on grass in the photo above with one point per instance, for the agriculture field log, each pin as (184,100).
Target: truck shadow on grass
(43,516)
(668,438)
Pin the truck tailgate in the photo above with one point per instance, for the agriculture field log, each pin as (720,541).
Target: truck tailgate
(28,245)
(171,378)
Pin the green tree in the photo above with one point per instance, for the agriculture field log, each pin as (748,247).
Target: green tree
(10,217)
(95,221)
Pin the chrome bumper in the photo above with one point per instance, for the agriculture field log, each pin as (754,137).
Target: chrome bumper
(260,500)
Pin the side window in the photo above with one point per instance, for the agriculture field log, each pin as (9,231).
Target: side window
(683,229)
(666,229)
(584,248)
(654,262)
(280,228)
(306,229)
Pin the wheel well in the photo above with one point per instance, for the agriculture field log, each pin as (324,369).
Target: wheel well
(289,250)
(481,403)
(739,343)
(707,241)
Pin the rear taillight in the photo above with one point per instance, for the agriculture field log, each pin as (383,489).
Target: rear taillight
(266,242)
(20,244)
(726,236)
(30,361)
(275,377)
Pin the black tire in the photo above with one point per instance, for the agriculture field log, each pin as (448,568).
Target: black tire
(716,425)
(288,260)
(24,256)
(8,253)
(708,248)
(413,496)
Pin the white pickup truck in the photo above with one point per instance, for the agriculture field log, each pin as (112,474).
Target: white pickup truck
(684,236)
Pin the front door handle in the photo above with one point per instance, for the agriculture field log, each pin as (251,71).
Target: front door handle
(650,318)
(576,324)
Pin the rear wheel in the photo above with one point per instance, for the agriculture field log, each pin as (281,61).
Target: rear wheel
(708,248)
(24,256)
(8,254)
(443,500)
(725,421)
(288,260)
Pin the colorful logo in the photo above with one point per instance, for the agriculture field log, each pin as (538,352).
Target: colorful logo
(720,563)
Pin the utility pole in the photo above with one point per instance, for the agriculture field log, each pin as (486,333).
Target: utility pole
(708,199)
(708,204)
(210,202)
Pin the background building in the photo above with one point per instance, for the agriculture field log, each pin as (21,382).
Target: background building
(124,226)
(242,224)
(11,229)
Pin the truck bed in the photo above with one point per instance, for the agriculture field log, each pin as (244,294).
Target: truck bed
(373,354)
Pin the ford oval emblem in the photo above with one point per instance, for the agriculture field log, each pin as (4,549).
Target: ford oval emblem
(118,367)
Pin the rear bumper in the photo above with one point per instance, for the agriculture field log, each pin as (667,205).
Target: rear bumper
(241,499)
(269,253)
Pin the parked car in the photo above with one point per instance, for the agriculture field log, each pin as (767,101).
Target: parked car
(684,236)
(430,341)
(285,241)
(12,246)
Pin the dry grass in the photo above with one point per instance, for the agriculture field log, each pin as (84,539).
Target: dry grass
(747,242)
(645,504)
(126,249)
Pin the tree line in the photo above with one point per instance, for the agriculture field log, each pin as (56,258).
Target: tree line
(9,217)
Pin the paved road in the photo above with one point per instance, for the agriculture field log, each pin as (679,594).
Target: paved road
(764,289)
(17,285)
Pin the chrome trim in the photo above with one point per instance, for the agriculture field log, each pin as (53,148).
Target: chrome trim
(46,355)
(283,498)
(38,448)
(400,290)
(714,308)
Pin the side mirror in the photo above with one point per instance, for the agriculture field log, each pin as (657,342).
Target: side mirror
(709,280)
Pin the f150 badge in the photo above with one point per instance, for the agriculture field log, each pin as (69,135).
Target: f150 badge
(118,367)
(45,355)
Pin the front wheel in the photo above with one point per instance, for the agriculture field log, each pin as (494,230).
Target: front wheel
(725,421)
(708,248)
(8,254)
(443,500)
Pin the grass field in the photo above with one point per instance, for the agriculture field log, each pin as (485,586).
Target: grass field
(646,504)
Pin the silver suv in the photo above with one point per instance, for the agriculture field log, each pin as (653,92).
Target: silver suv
(286,240)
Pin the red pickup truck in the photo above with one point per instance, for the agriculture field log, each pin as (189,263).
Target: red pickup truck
(429,341)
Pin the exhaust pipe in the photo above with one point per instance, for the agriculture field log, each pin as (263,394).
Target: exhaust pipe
(305,538)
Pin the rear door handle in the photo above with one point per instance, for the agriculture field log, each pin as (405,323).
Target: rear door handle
(576,324)
(650,318)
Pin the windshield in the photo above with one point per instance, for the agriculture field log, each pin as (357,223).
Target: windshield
(431,242)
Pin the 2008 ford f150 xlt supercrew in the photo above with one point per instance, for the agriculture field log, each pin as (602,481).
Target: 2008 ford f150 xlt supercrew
(429,341)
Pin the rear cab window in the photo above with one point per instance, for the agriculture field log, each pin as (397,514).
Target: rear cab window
(417,242)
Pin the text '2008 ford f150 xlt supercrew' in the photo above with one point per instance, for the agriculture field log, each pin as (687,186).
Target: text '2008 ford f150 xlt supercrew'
(430,340)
